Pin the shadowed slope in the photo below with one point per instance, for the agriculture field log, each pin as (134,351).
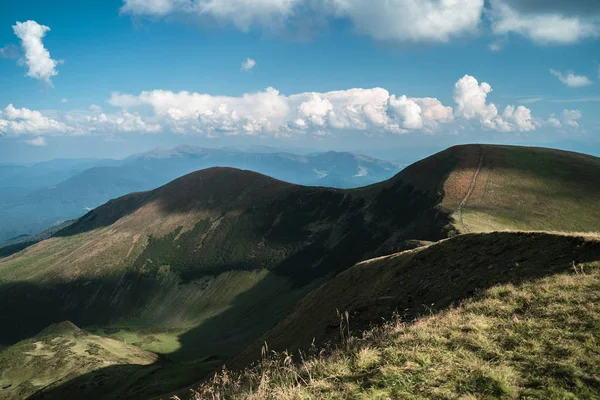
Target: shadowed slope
(532,339)
(423,280)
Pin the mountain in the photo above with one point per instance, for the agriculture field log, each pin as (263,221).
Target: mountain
(202,267)
(499,316)
(66,190)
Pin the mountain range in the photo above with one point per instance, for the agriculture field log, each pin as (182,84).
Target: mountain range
(207,268)
(39,196)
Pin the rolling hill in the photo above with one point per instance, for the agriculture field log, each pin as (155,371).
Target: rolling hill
(202,267)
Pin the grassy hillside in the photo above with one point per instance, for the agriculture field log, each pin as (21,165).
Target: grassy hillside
(523,188)
(517,317)
(203,266)
(423,281)
(58,354)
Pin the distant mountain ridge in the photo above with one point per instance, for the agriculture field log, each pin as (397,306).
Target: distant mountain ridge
(75,187)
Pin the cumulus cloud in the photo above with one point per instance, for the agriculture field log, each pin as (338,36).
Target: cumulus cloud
(390,20)
(270,113)
(570,117)
(471,100)
(547,22)
(37,57)
(37,142)
(570,79)
(17,121)
(248,64)
(554,122)
(520,117)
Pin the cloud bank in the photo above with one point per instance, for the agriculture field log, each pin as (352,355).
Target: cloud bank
(270,113)
(544,22)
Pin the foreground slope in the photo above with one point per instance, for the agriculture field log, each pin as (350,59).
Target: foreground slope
(424,280)
(205,265)
(526,325)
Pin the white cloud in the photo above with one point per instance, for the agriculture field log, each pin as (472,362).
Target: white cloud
(389,20)
(270,113)
(411,20)
(37,57)
(248,64)
(570,79)
(546,24)
(471,99)
(519,117)
(570,117)
(18,121)
(38,141)
(64,101)
(554,122)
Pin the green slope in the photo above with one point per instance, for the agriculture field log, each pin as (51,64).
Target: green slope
(58,354)
(206,264)
(523,188)
(515,317)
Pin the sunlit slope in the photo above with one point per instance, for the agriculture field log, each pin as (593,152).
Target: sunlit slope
(424,281)
(522,188)
(534,338)
(58,354)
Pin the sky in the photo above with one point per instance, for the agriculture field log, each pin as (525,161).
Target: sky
(114,77)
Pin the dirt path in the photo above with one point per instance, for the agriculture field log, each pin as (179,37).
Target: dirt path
(471,188)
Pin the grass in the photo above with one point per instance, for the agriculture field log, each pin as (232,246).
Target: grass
(428,279)
(58,354)
(521,188)
(537,339)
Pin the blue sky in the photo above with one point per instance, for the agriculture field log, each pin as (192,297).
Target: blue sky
(109,78)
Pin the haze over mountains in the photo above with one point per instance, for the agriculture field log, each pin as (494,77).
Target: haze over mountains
(33,198)
(204,268)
